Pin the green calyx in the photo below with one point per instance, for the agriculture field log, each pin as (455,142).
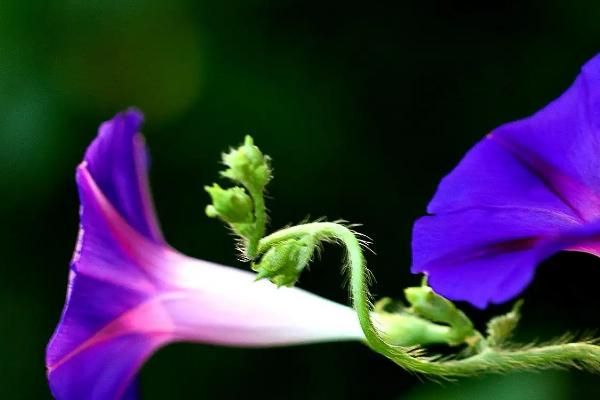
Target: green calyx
(428,304)
(501,328)
(399,327)
(430,319)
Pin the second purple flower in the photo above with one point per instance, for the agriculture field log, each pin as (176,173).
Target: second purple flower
(529,189)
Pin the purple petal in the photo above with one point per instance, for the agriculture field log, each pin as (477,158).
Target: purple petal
(563,140)
(104,371)
(485,255)
(101,265)
(108,289)
(117,160)
(527,190)
(491,176)
(548,160)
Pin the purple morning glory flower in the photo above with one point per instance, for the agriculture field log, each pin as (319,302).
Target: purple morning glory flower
(130,293)
(529,189)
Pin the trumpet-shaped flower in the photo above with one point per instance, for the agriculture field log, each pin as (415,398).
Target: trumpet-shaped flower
(130,293)
(529,189)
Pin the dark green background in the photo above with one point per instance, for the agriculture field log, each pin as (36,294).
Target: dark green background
(363,109)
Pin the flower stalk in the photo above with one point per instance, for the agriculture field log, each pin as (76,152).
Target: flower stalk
(243,207)
(400,333)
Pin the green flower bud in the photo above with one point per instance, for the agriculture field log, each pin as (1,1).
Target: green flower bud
(283,263)
(247,165)
(231,205)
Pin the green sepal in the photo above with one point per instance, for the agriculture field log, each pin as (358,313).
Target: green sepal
(428,304)
(401,328)
(501,328)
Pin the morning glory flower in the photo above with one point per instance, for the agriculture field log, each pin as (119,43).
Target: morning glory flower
(527,190)
(130,293)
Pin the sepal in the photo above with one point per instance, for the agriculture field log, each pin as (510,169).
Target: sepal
(501,328)
(428,304)
(401,328)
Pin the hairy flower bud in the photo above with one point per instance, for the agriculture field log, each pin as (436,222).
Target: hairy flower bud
(247,165)
(231,205)
(284,262)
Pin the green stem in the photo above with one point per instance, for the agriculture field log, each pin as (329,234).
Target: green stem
(488,360)
(260,222)
(358,282)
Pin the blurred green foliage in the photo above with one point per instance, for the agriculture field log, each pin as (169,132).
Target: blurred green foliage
(550,386)
(348,98)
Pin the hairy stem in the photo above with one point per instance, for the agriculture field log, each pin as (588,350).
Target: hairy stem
(487,360)
(260,221)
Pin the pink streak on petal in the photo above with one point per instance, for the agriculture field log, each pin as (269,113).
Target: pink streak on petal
(156,342)
(149,318)
(141,251)
(579,198)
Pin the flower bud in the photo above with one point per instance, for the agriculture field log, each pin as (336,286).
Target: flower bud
(231,205)
(247,165)
(284,262)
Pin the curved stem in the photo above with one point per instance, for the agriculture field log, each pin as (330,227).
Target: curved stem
(488,360)
(356,262)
